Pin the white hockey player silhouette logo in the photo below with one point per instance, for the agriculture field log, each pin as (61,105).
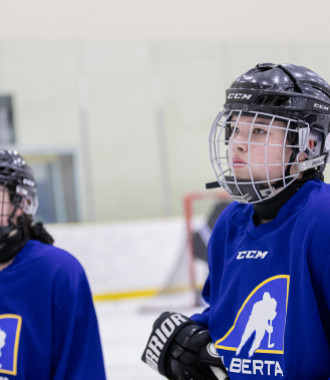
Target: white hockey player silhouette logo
(2,340)
(260,321)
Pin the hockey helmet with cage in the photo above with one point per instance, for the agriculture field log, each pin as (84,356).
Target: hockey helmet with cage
(17,178)
(289,95)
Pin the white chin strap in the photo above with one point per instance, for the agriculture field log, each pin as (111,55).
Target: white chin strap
(309,164)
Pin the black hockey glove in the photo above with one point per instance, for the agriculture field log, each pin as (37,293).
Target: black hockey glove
(179,349)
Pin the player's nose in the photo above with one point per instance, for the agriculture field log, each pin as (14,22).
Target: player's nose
(240,142)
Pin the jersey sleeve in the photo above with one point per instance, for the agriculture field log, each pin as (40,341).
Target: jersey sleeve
(316,233)
(77,352)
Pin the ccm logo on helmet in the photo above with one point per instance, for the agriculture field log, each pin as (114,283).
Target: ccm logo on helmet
(321,107)
(239,96)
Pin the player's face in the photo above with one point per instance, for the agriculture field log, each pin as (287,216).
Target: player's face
(257,148)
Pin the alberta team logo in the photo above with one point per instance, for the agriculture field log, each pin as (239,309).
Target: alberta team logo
(258,329)
(10,328)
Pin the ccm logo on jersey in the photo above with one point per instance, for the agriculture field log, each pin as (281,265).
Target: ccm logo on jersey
(239,96)
(251,255)
(160,337)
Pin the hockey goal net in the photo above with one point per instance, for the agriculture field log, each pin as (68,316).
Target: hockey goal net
(190,269)
(212,203)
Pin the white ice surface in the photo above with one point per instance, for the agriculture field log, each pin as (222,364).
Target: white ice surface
(125,327)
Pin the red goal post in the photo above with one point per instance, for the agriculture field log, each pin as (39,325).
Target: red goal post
(189,201)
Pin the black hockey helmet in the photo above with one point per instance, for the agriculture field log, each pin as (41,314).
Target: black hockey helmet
(291,94)
(18,178)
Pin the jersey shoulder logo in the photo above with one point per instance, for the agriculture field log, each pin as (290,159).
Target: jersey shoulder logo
(260,323)
(10,329)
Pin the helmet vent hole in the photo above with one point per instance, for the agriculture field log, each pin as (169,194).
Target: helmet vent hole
(272,100)
(4,170)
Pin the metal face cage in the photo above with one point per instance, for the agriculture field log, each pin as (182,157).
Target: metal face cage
(255,154)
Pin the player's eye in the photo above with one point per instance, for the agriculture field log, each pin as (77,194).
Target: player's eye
(234,129)
(259,131)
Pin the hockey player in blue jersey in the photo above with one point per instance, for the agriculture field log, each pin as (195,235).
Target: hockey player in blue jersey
(48,325)
(268,289)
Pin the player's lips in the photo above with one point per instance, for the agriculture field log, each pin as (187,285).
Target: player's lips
(238,162)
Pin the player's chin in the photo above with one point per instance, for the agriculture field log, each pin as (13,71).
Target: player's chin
(250,176)
(242,173)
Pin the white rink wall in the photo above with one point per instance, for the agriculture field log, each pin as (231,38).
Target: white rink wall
(126,257)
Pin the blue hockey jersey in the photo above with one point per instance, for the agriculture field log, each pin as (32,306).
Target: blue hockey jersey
(48,325)
(268,289)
